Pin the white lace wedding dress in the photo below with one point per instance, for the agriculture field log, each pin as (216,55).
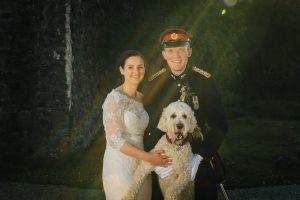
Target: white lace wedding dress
(124,119)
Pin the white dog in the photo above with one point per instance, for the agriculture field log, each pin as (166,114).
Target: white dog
(178,122)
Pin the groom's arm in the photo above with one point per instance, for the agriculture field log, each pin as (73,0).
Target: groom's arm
(214,122)
(151,138)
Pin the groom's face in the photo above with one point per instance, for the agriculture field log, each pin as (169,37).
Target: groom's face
(177,58)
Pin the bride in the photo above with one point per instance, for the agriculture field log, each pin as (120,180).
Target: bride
(125,120)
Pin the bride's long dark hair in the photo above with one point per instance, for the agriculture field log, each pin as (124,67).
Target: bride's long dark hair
(127,54)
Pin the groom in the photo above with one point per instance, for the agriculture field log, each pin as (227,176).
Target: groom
(179,80)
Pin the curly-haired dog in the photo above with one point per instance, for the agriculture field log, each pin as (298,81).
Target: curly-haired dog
(178,122)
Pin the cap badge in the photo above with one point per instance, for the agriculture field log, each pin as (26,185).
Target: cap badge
(174,36)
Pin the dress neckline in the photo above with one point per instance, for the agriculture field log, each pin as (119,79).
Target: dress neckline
(130,98)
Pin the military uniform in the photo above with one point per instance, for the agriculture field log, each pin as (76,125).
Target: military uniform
(196,87)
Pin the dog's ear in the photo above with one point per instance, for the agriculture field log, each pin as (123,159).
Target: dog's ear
(193,122)
(162,122)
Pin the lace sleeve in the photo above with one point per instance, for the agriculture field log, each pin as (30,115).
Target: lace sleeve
(113,121)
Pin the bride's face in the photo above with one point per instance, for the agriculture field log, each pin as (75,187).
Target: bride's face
(133,70)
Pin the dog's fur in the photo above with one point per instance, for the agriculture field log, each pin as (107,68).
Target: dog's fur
(177,121)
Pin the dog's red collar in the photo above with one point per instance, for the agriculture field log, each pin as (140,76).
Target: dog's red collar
(187,139)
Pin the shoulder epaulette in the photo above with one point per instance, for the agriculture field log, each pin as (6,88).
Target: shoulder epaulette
(154,76)
(201,71)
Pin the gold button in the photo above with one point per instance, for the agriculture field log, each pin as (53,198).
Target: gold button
(179,85)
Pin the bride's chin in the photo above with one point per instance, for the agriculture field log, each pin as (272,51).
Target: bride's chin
(136,81)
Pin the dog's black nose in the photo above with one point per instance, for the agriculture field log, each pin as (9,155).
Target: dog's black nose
(179,126)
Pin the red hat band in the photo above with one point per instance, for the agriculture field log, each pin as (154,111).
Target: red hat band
(175,36)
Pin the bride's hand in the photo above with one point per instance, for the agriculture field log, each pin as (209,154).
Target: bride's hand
(158,158)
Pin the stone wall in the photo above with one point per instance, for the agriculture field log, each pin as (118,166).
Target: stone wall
(57,63)
(34,107)
(52,77)
(16,78)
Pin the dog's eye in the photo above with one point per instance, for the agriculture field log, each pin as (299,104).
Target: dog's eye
(173,116)
(184,116)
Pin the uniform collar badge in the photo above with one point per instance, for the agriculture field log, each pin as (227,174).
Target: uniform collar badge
(173,76)
(182,76)
(176,77)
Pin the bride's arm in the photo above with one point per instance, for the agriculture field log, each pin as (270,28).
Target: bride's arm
(156,158)
(114,127)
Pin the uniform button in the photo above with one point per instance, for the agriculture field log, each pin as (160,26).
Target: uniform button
(178,84)
(149,134)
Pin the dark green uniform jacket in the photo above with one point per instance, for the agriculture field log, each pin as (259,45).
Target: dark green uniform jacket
(203,97)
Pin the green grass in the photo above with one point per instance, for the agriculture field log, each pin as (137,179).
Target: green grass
(250,150)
